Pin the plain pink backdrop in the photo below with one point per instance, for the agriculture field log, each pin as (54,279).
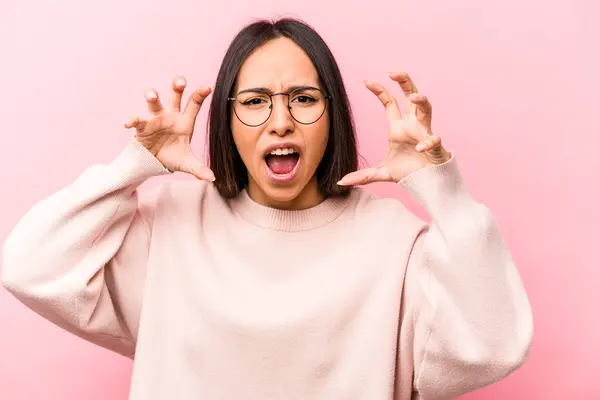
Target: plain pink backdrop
(514,86)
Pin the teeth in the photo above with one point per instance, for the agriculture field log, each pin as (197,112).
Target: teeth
(282,152)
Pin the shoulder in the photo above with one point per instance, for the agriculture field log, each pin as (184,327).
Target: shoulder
(366,203)
(181,196)
(371,208)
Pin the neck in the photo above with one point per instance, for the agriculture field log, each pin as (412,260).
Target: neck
(310,196)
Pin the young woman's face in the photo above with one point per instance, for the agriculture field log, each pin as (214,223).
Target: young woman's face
(286,179)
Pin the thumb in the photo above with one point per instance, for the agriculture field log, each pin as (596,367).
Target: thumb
(364,177)
(193,166)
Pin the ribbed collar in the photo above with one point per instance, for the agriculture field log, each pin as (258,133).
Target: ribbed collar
(290,220)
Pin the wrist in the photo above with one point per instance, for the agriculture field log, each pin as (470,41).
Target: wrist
(153,149)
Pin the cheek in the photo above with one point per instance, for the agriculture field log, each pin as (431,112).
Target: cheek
(317,140)
(245,139)
(322,133)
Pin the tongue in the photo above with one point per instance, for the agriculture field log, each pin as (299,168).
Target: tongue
(282,165)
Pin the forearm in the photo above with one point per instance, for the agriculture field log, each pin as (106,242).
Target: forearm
(64,241)
(473,308)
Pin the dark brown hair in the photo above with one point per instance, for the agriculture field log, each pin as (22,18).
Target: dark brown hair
(340,156)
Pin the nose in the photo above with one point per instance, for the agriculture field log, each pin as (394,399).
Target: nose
(281,122)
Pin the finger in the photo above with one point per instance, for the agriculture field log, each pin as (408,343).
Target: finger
(405,82)
(192,108)
(429,143)
(423,109)
(136,123)
(364,176)
(407,86)
(153,101)
(193,166)
(132,123)
(392,110)
(177,87)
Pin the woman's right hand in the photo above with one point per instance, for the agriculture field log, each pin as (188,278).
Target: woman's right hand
(168,132)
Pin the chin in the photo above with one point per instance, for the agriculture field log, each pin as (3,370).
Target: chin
(282,192)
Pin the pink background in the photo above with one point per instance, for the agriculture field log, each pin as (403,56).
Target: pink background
(513,84)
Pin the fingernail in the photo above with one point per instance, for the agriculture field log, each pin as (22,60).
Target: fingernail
(341,183)
(181,82)
(150,95)
(420,147)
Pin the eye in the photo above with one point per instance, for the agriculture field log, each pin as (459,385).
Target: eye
(303,98)
(254,101)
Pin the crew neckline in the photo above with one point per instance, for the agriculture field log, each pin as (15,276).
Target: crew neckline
(290,220)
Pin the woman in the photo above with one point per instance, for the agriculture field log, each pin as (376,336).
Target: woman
(271,276)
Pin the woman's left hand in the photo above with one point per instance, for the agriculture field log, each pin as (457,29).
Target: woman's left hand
(411,145)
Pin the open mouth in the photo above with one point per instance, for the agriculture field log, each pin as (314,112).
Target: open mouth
(282,164)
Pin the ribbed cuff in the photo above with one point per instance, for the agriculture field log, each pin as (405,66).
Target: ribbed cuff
(439,188)
(135,164)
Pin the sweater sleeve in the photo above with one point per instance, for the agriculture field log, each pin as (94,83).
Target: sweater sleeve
(469,314)
(78,257)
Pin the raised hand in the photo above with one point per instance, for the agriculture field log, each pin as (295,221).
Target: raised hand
(168,132)
(411,145)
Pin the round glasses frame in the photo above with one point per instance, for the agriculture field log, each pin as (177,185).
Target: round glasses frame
(289,107)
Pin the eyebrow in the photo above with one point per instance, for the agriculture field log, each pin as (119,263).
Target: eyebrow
(268,91)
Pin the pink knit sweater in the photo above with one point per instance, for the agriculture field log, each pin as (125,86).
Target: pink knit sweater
(354,299)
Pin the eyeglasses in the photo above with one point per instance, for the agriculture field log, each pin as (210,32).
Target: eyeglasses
(253,107)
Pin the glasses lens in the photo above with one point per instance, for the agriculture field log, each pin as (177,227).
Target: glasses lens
(307,105)
(252,108)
